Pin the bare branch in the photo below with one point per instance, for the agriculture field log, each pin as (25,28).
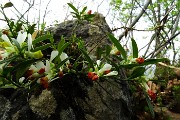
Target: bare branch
(136,19)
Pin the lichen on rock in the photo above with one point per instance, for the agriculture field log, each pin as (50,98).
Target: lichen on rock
(44,105)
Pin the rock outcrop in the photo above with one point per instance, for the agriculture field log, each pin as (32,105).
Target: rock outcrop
(73,97)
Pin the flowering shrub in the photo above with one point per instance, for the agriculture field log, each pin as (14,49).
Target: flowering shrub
(26,62)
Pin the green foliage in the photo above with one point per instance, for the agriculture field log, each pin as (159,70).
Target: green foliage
(135,48)
(31,57)
(81,15)
(118,45)
(9,4)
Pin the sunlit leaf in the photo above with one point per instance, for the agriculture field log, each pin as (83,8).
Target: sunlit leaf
(60,50)
(61,43)
(43,47)
(41,38)
(70,5)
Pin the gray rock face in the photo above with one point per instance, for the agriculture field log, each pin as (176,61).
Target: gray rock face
(74,97)
(93,33)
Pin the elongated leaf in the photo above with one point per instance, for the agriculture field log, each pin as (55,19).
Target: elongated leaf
(149,104)
(16,44)
(42,47)
(99,52)
(118,45)
(21,68)
(63,62)
(135,48)
(41,38)
(147,62)
(60,50)
(139,71)
(9,59)
(61,43)
(90,61)
(84,9)
(9,4)
(108,50)
(70,5)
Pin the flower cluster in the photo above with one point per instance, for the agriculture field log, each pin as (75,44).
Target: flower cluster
(47,72)
(100,71)
(151,94)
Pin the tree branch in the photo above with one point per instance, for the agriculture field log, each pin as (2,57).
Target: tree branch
(137,18)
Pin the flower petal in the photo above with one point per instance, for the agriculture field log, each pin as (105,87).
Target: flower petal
(6,39)
(29,42)
(21,37)
(40,65)
(21,79)
(104,68)
(112,73)
(63,56)
(48,67)
(98,62)
(54,53)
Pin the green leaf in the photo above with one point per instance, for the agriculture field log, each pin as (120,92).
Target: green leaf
(147,62)
(90,61)
(135,48)
(154,61)
(118,46)
(41,38)
(22,67)
(108,50)
(63,62)
(60,50)
(9,59)
(61,43)
(16,44)
(149,104)
(9,86)
(99,52)
(31,28)
(9,4)
(84,9)
(70,5)
(139,71)
(42,47)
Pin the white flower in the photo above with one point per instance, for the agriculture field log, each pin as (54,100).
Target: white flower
(6,39)
(112,73)
(21,37)
(63,56)
(29,42)
(3,54)
(21,79)
(114,51)
(105,70)
(54,53)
